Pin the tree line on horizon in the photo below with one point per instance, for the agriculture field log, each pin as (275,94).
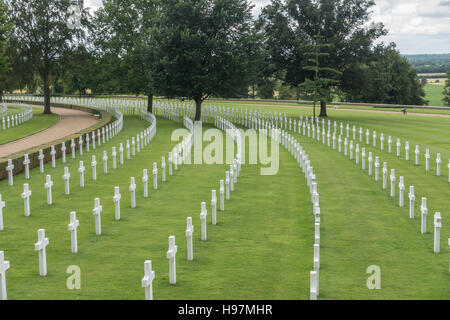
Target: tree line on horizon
(196,49)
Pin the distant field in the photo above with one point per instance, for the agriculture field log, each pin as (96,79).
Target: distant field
(434,94)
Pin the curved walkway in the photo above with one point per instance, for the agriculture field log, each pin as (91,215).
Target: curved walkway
(71,121)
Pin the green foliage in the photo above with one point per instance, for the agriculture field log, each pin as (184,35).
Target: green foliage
(42,36)
(199,48)
(290,25)
(430,63)
(5,29)
(320,86)
(446,91)
(386,77)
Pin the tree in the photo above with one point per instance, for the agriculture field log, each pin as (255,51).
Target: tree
(386,77)
(42,31)
(292,24)
(446,91)
(319,88)
(199,48)
(121,30)
(5,28)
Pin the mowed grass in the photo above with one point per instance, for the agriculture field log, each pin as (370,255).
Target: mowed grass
(38,123)
(434,94)
(260,249)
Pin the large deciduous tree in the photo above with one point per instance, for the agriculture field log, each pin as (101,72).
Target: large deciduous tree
(121,30)
(200,48)
(292,24)
(386,77)
(42,30)
(446,91)
(5,28)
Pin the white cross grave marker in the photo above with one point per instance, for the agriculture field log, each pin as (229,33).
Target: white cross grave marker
(171,255)
(147,280)
(189,232)
(116,200)
(4,265)
(48,186)
(26,199)
(97,211)
(133,193)
(66,178)
(40,246)
(72,227)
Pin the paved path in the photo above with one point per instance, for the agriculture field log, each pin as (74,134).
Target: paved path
(71,121)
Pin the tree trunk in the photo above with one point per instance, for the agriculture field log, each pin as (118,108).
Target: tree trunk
(323,109)
(314,112)
(150,103)
(198,109)
(46,93)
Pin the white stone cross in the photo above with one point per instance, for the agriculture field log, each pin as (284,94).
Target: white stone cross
(94,168)
(72,147)
(417,152)
(72,227)
(222,198)
(81,170)
(390,144)
(382,141)
(97,212)
(26,163)
(427,160)
(424,212)
(87,142)
(105,162)
(80,143)
(41,161)
(170,163)
(10,169)
(401,192)
(66,178)
(377,168)
(231,178)
(128,149)
(4,265)
(370,163)
(392,178)
(412,197)
(114,157)
(316,257)
(48,186)
(227,183)
(163,169)
(334,141)
(385,172)
(203,215)
(345,147)
(103,135)
(314,283)
(116,200)
(437,228)
(340,143)
(214,207)
(357,154)
(93,140)
(63,152)
(147,280)
(145,182)
(155,175)
(26,199)
(367,136)
(40,246)
(171,255)
(133,146)
(2,205)
(53,154)
(363,158)
(360,134)
(121,153)
(99,137)
(438,164)
(407,150)
(351,150)
(374,139)
(189,232)
(133,193)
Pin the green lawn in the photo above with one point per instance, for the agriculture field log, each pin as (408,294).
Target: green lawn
(262,247)
(36,124)
(434,94)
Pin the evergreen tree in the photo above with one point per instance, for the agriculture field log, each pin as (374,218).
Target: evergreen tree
(320,86)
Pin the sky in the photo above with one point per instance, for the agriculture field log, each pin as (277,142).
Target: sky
(416,26)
